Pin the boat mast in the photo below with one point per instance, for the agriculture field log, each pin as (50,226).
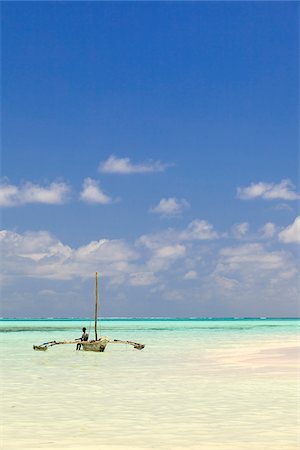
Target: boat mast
(96,307)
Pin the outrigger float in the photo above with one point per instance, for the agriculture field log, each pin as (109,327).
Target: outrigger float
(96,345)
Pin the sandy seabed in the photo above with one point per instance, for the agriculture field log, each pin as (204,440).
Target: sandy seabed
(21,444)
(213,393)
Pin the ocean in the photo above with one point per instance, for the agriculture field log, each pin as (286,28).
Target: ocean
(211,384)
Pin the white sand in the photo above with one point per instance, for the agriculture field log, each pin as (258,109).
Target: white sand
(186,391)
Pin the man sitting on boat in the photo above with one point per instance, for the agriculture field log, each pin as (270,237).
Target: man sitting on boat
(84,337)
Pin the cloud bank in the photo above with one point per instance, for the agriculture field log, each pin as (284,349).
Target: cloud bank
(188,266)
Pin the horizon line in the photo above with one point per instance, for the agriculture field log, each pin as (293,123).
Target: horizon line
(155,318)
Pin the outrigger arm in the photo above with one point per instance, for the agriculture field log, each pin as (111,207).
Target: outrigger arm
(45,345)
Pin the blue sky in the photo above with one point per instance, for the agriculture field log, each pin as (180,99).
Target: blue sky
(158,144)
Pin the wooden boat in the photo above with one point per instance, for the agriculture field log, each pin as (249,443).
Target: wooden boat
(96,345)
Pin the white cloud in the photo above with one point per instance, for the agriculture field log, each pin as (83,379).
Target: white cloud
(8,194)
(291,234)
(171,251)
(239,230)
(41,255)
(235,257)
(254,275)
(125,166)
(163,256)
(190,275)
(166,247)
(153,241)
(91,193)
(285,190)
(251,275)
(54,194)
(105,250)
(226,283)
(198,230)
(170,241)
(170,207)
(268,230)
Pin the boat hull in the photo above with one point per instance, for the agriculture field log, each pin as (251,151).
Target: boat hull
(94,346)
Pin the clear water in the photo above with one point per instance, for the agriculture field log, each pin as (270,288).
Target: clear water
(198,384)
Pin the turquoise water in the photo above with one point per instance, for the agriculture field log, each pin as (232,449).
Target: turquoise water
(199,383)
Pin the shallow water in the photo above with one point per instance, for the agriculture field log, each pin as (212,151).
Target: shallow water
(198,384)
